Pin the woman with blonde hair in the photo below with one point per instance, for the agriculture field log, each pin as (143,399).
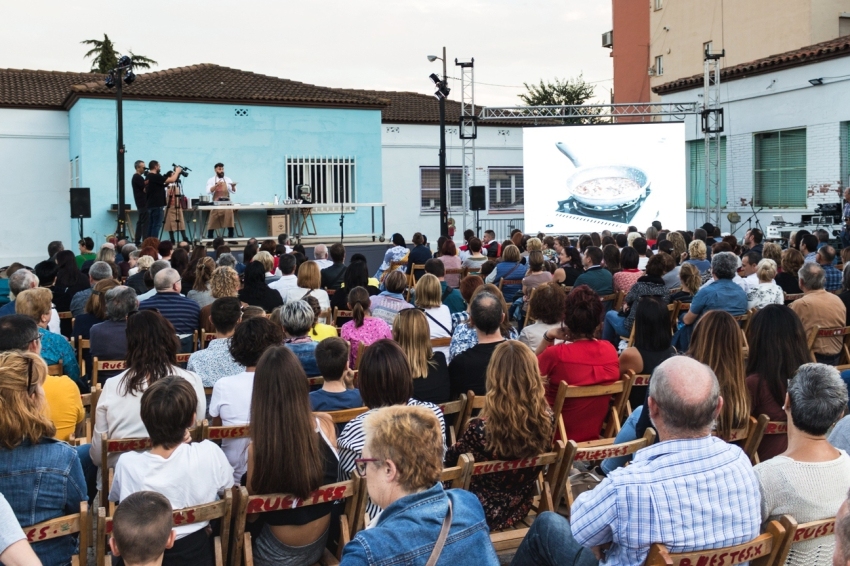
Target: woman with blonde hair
(428,298)
(773,251)
(36,304)
(428,366)
(691,280)
(267,260)
(224,282)
(516,422)
(200,292)
(41,477)
(511,269)
(309,285)
(766,292)
(697,253)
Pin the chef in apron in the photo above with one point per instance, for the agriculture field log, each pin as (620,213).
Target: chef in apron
(174,213)
(220,187)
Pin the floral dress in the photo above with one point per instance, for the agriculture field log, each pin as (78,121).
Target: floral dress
(505,496)
(373,329)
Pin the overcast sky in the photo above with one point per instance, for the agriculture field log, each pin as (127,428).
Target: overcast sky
(369,44)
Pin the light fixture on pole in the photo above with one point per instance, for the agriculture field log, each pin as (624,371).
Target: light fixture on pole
(441,94)
(123,73)
(816,82)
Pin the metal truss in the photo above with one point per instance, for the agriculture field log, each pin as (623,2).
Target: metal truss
(675,112)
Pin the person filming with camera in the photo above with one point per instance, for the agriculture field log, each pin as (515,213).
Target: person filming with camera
(156,195)
(220,187)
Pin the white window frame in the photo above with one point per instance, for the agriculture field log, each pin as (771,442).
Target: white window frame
(331,179)
(75,171)
(512,173)
(659,65)
(454,194)
(659,4)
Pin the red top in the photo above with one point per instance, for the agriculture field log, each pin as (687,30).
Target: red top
(586,362)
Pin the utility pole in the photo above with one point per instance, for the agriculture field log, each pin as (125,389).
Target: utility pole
(444,203)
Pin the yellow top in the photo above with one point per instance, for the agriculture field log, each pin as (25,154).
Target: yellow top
(64,404)
(322,331)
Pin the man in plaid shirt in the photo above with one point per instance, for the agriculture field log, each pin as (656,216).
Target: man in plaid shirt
(832,277)
(690,491)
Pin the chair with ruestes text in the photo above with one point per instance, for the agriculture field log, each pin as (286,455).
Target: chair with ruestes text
(62,526)
(353,492)
(795,533)
(761,551)
(618,392)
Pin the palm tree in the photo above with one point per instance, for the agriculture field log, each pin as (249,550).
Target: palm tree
(106,58)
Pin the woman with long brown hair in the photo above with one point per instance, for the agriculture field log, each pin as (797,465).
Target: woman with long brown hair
(428,367)
(363,327)
(152,347)
(291,451)
(516,422)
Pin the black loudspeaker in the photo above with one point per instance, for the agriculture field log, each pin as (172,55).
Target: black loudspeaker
(81,203)
(476,198)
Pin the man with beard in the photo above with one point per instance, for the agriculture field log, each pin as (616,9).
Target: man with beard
(220,187)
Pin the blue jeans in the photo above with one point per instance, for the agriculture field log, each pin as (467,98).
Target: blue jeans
(154,221)
(615,326)
(627,434)
(89,470)
(550,541)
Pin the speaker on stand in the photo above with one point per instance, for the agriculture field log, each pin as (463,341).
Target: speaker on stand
(477,203)
(80,205)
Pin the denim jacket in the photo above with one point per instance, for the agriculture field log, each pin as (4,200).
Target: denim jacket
(44,481)
(305,350)
(407,530)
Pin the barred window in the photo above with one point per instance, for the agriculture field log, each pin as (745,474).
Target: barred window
(330,178)
(780,169)
(430,188)
(506,189)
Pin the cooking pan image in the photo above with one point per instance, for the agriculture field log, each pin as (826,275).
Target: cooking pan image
(605,186)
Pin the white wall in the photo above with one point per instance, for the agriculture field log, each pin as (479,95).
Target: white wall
(407,147)
(774,101)
(34,193)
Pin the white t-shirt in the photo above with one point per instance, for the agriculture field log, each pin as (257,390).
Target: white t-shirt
(231,400)
(119,416)
(443,315)
(297,293)
(284,283)
(194,474)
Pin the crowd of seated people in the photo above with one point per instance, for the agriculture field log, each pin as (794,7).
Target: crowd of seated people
(739,349)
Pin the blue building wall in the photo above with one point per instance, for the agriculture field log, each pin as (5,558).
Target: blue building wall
(253,148)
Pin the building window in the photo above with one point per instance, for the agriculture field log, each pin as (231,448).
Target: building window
(506,189)
(780,169)
(659,4)
(331,179)
(75,171)
(844,24)
(429,183)
(659,65)
(696,174)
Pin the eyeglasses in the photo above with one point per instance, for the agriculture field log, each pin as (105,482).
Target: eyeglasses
(360,465)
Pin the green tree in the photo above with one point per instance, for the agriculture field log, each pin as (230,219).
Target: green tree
(566,92)
(105,58)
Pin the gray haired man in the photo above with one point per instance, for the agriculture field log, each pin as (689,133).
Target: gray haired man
(100,271)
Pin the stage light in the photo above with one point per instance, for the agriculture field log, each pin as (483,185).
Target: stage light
(435,78)
(816,82)
(110,81)
(125,61)
(129,77)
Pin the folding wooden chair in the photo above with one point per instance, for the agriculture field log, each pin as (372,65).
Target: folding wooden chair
(473,403)
(195,341)
(618,391)
(361,347)
(346,415)
(772,428)
(458,271)
(326,316)
(65,315)
(456,410)
(341,314)
(55,369)
(98,366)
(817,333)
(315,380)
(528,320)
(441,342)
(790,298)
(206,338)
(749,437)
(352,491)
(593,451)
(638,380)
(461,473)
(511,538)
(183,359)
(761,551)
(503,282)
(221,509)
(65,525)
(795,533)
(393,266)
(744,319)
(411,277)
(214,433)
(82,346)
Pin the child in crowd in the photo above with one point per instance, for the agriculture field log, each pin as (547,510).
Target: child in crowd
(187,474)
(336,393)
(142,529)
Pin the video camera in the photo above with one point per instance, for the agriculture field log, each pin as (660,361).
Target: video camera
(185,170)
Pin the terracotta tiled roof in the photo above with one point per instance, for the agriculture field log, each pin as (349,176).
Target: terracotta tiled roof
(38,89)
(213,83)
(839,47)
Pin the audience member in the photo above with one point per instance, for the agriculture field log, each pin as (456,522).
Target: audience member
(388,303)
(308,285)
(230,404)
(297,318)
(319,330)
(465,335)
(428,297)
(450,260)
(100,271)
(150,277)
(515,423)
(809,480)
(364,328)
(629,274)
(357,275)
(652,284)
(200,292)
(569,267)
(766,292)
(152,347)
(611,258)
(509,269)
(42,477)
(337,392)
(288,279)
(14,548)
(384,379)
(401,463)
(256,292)
(475,258)
(675,477)
(643,250)
(582,360)
(109,338)
(809,248)
(186,473)
(546,311)
(467,370)
(427,365)
(418,255)
(86,246)
(69,281)
(332,276)
(598,279)
(690,283)
(821,309)
(95,309)
(826,259)
(293,451)
(181,312)
(214,362)
(136,281)
(450,297)
(845,291)
(142,529)
(24,279)
(223,283)
(697,255)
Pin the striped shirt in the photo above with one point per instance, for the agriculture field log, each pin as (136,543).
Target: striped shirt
(350,444)
(181,312)
(689,494)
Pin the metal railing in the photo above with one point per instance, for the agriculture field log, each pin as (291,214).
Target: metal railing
(501,226)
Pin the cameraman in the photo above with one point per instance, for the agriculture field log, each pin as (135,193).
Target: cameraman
(156,196)
(140,197)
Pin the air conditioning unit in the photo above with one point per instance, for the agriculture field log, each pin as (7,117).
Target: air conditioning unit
(608,39)
(651,71)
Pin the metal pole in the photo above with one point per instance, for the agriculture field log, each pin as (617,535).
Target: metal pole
(444,204)
(120,232)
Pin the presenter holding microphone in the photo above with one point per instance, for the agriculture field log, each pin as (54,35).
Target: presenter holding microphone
(220,187)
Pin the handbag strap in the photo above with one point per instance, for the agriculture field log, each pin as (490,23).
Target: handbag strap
(440,324)
(441,540)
